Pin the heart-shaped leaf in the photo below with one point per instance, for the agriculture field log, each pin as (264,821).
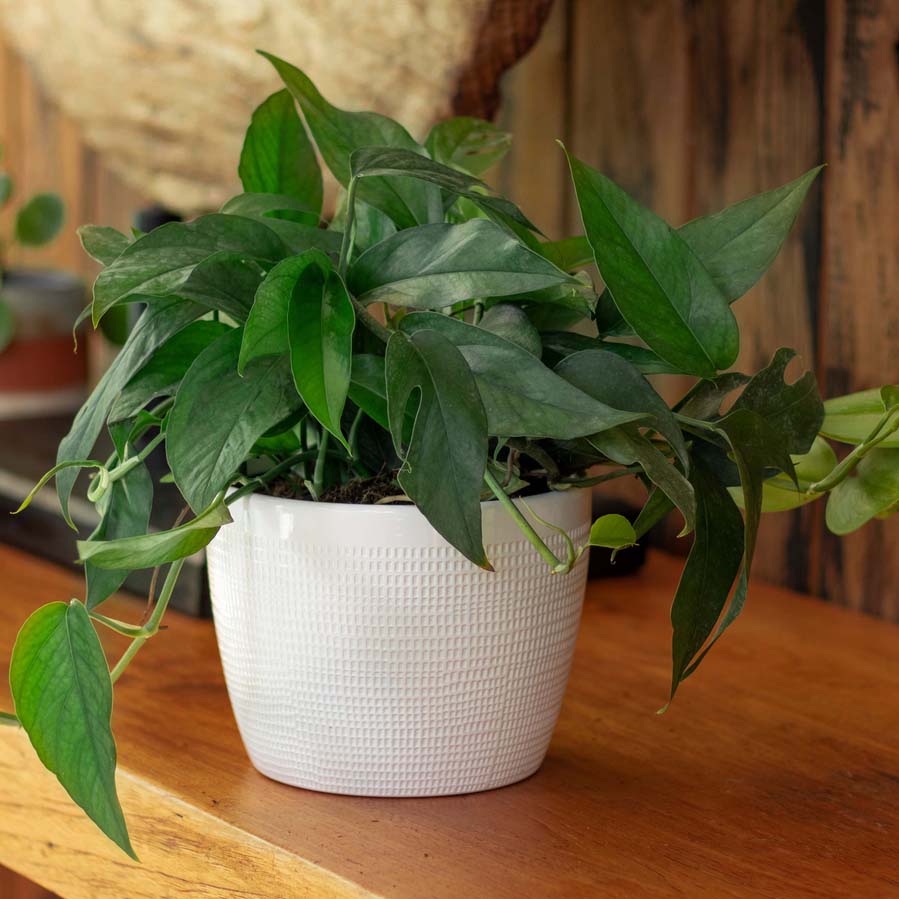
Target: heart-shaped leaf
(613,532)
(102,243)
(39,220)
(870,492)
(470,144)
(63,694)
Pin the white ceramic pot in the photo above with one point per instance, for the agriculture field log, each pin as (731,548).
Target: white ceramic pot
(364,655)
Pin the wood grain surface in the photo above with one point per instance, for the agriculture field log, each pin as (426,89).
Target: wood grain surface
(775,774)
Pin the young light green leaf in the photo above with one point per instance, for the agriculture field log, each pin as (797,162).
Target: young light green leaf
(443,466)
(207,441)
(277,156)
(158,323)
(158,548)
(470,144)
(793,410)
(521,396)
(655,279)
(852,418)
(102,243)
(338,133)
(320,323)
(512,323)
(613,532)
(159,263)
(265,333)
(39,220)
(889,396)
(871,491)
(63,695)
(163,371)
(738,244)
(125,513)
(437,265)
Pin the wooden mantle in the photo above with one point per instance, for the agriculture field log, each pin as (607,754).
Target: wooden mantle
(776,773)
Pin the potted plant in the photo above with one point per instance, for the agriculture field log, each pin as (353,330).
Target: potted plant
(39,374)
(383,430)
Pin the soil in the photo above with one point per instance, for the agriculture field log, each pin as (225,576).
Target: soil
(365,492)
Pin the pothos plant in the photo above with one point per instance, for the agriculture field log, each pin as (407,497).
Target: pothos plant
(431,338)
(35,223)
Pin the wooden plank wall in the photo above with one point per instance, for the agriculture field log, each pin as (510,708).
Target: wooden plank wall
(694,105)
(691,105)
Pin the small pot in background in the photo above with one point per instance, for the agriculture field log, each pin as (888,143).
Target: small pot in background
(40,374)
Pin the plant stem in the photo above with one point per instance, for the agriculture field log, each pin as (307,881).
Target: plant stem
(132,463)
(478,312)
(524,525)
(846,467)
(349,231)
(318,477)
(369,321)
(255,483)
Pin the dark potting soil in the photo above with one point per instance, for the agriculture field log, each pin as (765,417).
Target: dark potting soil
(364,492)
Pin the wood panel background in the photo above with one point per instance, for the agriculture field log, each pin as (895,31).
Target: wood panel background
(690,105)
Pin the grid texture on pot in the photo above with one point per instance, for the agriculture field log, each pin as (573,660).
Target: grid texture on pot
(390,670)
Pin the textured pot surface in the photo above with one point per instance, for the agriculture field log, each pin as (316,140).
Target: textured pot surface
(364,655)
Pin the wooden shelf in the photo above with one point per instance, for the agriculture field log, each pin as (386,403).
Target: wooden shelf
(776,773)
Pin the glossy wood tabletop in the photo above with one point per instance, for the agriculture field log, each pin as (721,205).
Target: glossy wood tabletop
(775,773)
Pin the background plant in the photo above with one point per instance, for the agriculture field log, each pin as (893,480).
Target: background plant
(495,366)
(36,222)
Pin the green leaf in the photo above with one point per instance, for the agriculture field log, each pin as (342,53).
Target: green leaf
(390,162)
(470,144)
(6,188)
(39,220)
(224,282)
(781,494)
(157,323)
(852,418)
(738,245)
(889,396)
(793,410)
(218,415)
(521,396)
(704,399)
(7,325)
(262,205)
(368,387)
(613,532)
(610,379)
(338,133)
(512,323)
(709,573)
(159,263)
(266,329)
(437,265)
(872,491)
(443,466)
(102,243)
(277,156)
(125,513)
(656,281)
(63,694)
(565,343)
(568,254)
(150,550)
(163,371)
(320,323)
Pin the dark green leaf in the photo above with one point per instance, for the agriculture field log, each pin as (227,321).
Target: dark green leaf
(206,441)
(443,467)
(63,694)
(159,263)
(568,254)
(277,156)
(7,325)
(472,145)
(738,244)
(102,243)
(150,550)
(437,265)
(656,281)
(871,491)
(710,570)
(164,370)
(266,329)
(320,323)
(125,513)
(704,399)
(512,323)
(6,188)
(521,396)
(338,133)
(792,410)
(39,220)
(368,387)
(564,343)
(158,323)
